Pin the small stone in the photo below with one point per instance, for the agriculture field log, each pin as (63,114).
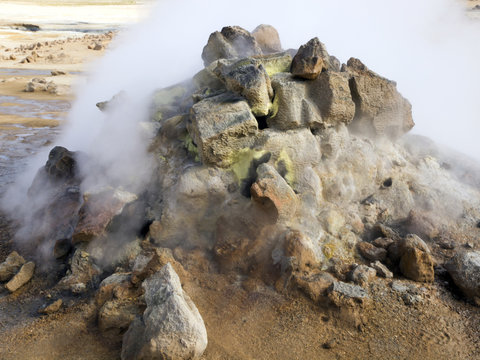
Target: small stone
(330,344)
(371,252)
(52,308)
(22,277)
(362,275)
(382,242)
(346,294)
(382,270)
(10,266)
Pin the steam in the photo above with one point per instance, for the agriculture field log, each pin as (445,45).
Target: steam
(429,47)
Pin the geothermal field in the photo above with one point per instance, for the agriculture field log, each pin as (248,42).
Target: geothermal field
(192,180)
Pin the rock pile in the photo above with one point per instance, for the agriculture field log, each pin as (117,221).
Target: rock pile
(284,166)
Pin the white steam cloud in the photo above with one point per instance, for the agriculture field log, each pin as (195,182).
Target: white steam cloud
(429,47)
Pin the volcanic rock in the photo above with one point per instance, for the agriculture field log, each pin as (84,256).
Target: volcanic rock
(10,266)
(115,316)
(341,293)
(22,277)
(248,78)
(308,63)
(267,38)
(381,270)
(362,275)
(299,247)
(272,189)
(380,109)
(171,326)
(220,127)
(371,252)
(231,43)
(416,263)
(464,268)
(52,308)
(316,285)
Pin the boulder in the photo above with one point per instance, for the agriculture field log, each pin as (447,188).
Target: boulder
(220,126)
(464,268)
(308,62)
(292,107)
(10,266)
(276,63)
(248,78)
(380,109)
(61,163)
(331,93)
(231,43)
(267,38)
(272,189)
(171,326)
(22,277)
(416,262)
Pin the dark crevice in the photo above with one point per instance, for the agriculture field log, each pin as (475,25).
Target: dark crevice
(478,224)
(387,183)
(262,122)
(247,183)
(145,228)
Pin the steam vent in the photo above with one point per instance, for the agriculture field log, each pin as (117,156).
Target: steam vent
(290,215)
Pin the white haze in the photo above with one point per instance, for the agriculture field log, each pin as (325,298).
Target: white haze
(429,47)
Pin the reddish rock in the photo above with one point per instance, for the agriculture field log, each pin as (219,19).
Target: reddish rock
(371,252)
(308,62)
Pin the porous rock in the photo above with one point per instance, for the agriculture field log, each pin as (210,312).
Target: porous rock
(171,326)
(464,268)
(380,108)
(230,43)
(10,266)
(271,188)
(308,62)
(220,126)
(267,38)
(22,277)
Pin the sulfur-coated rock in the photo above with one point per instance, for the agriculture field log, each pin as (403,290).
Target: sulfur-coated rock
(308,62)
(267,38)
(464,268)
(380,108)
(22,277)
(231,43)
(171,326)
(220,126)
(331,93)
(10,266)
(292,107)
(271,188)
(248,78)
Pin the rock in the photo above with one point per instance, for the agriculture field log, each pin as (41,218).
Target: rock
(12,57)
(316,285)
(267,38)
(58,72)
(341,293)
(382,242)
(98,47)
(371,252)
(248,78)
(231,43)
(275,63)
(219,127)
(115,316)
(171,326)
(416,263)
(272,189)
(382,270)
(98,211)
(292,107)
(61,163)
(22,277)
(147,264)
(52,308)
(421,224)
(10,266)
(362,275)
(112,287)
(81,273)
(299,247)
(380,108)
(308,62)
(464,268)
(331,93)
(168,102)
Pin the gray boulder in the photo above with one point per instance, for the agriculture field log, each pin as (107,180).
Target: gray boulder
(220,126)
(380,109)
(464,268)
(231,43)
(249,79)
(171,326)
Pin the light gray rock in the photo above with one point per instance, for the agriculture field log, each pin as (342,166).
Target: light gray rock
(22,277)
(220,126)
(347,294)
(10,266)
(171,326)
(464,268)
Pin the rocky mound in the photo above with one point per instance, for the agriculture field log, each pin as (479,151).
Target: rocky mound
(284,167)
